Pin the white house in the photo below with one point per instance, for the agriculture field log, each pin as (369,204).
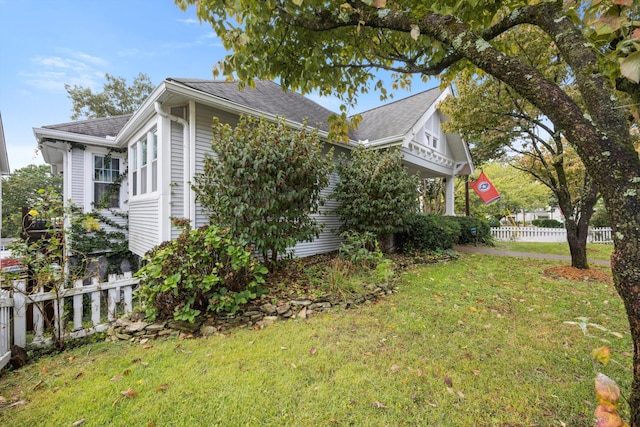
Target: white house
(155,152)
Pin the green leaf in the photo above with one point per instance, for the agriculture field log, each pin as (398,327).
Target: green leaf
(630,67)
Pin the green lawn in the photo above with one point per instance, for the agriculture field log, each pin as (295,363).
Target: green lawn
(594,251)
(480,341)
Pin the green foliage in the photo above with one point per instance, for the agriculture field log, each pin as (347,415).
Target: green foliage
(203,270)
(473,230)
(116,98)
(425,232)
(375,192)
(361,249)
(547,223)
(600,217)
(264,182)
(20,189)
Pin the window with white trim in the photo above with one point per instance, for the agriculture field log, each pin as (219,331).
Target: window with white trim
(106,173)
(144,164)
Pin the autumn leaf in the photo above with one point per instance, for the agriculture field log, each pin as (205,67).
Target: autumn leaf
(79,422)
(601,355)
(630,67)
(116,378)
(415,32)
(312,351)
(130,393)
(605,418)
(379,405)
(448,381)
(162,387)
(607,391)
(395,368)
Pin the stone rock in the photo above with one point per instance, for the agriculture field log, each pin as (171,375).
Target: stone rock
(207,330)
(136,327)
(184,326)
(155,327)
(302,314)
(269,308)
(302,302)
(123,336)
(281,310)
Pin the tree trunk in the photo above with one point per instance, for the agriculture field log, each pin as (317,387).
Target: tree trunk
(577,244)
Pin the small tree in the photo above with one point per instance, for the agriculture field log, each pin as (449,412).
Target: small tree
(264,183)
(20,190)
(375,192)
(116,98)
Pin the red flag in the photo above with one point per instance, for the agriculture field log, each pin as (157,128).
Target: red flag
(485,189)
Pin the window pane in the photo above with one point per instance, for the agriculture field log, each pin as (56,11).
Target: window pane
(143,154)
(134,157)
(154,146)
(106,195)
(106,172)
(134,183)
(143,180)
(154,175)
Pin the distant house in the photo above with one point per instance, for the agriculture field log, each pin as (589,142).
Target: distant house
(156,152)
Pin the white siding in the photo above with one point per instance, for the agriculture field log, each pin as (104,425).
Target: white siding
(177,175)
(328,240)
(77,176)
(143,225)
(204,120)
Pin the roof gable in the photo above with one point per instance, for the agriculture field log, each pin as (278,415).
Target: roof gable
(395,118)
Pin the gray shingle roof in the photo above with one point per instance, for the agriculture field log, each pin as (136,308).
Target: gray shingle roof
(102,127)
(395,118)
(267,97)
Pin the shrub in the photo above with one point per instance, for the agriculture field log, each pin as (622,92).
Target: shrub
(203,270)
(360,249)
(547,223)
(467,226)
(375,192)
(264,182)
(429,233)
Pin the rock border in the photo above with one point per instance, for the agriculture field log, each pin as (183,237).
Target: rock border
(253,315)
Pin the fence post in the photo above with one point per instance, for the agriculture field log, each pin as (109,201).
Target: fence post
(95,303)
(20,313)
(77,307)
(111,301)
(128,295)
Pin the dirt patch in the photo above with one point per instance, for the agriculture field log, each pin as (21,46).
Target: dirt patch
(577,274)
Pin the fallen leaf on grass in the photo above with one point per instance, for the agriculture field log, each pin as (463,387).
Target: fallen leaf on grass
(80,374)
(602,354)
(312,351)
(130,393)
(420,372)
(18,403)
(39,385)
(476,373)
(116,378)
(395,368)
(79,422)
(126,372)
(448,381)
(162,387)
(379,405)
(460,394)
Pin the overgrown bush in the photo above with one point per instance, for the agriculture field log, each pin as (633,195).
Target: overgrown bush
(473,230)
(426,232)
(203,270)
(375,191)
(264,183)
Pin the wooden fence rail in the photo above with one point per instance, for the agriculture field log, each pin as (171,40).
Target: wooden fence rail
(17,303)
(540,234)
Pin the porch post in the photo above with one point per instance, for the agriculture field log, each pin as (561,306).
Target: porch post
(449,196)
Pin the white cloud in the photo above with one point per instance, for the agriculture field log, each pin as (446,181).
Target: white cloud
(74,68)
(189,21)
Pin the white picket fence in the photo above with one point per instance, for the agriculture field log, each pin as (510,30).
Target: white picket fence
(16,303)
(539,234)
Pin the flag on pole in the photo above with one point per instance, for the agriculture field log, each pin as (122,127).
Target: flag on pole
(485,189)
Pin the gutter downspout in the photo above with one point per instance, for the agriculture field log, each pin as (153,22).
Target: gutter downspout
(186,156)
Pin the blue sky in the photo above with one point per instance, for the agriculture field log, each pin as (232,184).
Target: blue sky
(45,44)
